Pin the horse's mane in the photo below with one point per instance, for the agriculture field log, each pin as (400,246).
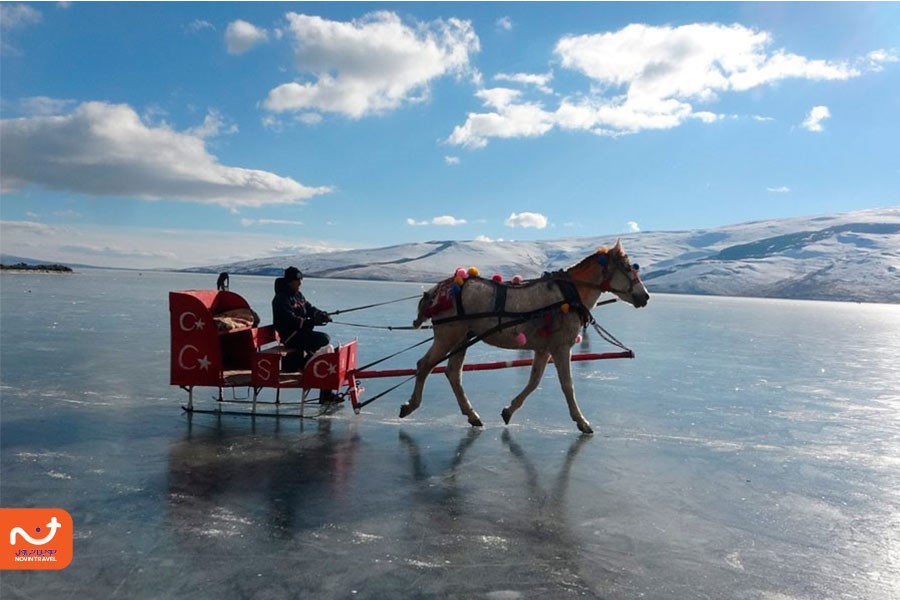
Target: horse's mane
(614,252)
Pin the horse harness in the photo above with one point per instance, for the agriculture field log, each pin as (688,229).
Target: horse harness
(570,298)
(568,287)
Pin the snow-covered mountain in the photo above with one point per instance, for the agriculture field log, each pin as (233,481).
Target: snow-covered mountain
(851,256)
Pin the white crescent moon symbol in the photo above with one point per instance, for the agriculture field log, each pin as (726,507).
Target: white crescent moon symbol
(181,321)
(181,357)
(316,369)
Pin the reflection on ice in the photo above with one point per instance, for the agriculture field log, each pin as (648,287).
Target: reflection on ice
(289,483)
(726,463)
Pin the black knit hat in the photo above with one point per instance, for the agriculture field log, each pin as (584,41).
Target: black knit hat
(292,273)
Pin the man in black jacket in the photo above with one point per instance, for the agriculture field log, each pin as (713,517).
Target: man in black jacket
(295,319)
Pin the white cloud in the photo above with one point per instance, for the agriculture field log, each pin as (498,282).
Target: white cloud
(10,228)
(310,118)
(199,25)
(13,16)
(42,105)
(511,119)
(106,150)
(538,80)
(213,124)
(813,121)
(633,226)
(527,219)
(272,123)
(370,65)
(251,222)
(445,220)
(451,160)
(484,238)
(778,190)
(241,36)
(645,77)
(504,23)
(117,253)
(876,59)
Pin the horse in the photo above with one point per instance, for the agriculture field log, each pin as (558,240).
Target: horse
(544,315)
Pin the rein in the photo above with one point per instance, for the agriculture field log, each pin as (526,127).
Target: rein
(387,327)
(355,308)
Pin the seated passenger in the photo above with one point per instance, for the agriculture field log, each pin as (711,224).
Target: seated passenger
(295,319)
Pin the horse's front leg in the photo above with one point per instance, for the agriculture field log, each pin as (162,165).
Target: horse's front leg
(423,370)
(538,364)
(563,362)
(454,375)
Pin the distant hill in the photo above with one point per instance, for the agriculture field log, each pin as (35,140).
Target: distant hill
(851,256)
(11,259)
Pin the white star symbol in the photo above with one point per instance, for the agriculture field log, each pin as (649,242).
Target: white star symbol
(199,325)
(204,363)
(332,369)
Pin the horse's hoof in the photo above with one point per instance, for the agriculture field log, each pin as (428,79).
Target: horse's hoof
(475,421)
(586,428)
(506,414)
(405,409)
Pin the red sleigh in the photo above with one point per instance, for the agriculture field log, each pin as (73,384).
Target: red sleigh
(215,343)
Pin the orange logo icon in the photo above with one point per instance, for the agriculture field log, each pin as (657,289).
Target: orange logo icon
(35,538)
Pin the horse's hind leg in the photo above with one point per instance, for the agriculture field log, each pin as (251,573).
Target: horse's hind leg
(537,371)
(564,371)
(454,375)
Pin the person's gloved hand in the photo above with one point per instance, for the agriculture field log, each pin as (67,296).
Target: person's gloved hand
(321,318)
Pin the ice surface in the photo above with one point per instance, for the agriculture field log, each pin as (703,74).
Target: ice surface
(751,450)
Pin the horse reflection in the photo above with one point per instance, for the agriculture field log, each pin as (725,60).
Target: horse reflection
(547,530)
(225,483)
(476,521)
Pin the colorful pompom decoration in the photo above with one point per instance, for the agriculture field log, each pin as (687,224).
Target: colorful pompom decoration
(456,289)
(517,280)
(458,280)
(474,272)
(521,339)
(564,308)
(497,277)
(462,273)
(578,339)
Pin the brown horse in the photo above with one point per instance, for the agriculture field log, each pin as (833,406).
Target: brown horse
(544,315)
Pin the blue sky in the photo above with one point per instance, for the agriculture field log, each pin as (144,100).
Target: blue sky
(180,134)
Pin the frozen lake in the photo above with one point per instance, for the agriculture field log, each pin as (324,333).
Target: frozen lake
(751,450)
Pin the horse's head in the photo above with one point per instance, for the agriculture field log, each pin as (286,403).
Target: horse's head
(620,276)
